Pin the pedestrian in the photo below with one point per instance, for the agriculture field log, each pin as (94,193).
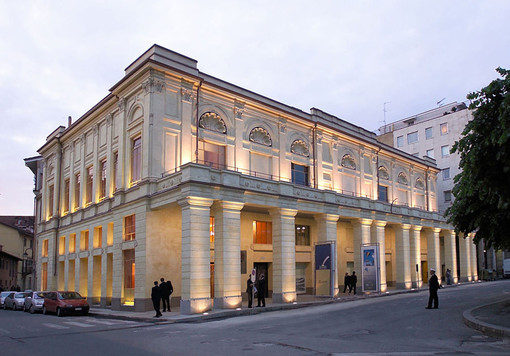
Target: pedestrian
(353,280)
(433,287)
(347,282)
(156,299)
(261,291)
(448,277)
(170,289)
(165,295)
(249,291)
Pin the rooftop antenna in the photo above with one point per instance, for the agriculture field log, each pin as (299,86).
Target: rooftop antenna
(384,110)
(440,101)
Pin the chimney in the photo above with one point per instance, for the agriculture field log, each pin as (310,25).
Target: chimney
(69,121)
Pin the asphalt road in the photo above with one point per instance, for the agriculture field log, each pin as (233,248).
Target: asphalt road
(393,325)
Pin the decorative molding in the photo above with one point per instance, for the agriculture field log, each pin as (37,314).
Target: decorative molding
(261,136)
(419,183)
(300,147)
(320,136)
(151,85)
(283,125)
(122,103)
(402,178)
(238,110)
(213,122)
(109,119)
(383,173)
(348,162)
(187,95)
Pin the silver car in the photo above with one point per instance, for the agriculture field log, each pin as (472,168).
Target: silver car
(3,295)
(15,301)
(34,302)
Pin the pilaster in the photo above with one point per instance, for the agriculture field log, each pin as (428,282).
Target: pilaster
(450,254)
(416,256)
(403,262)
(433,257)
(327,231)
(361,230)
(474,264)
(381,241)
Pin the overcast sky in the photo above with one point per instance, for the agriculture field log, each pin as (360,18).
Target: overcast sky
(58,59)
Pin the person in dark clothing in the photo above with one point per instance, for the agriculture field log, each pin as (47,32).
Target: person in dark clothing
(170,289)
(165,295)
(261,291)
(353,280)
(249,291)
(433,287)
(156,298)
(347,282)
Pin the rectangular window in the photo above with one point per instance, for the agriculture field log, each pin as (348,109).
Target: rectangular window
(109,234)
(445,151)
(211,155)
(84,240)
(400,141)
(129,276)
(447,196)
(76,203)
(302,235)
(102,182)
(51,193)
(444,129)
(89,185)
(115,170)
(44,252)
(382,193)
(446,173)
(62,245)
(136,160)
(72,243)
(65,203)
(430,153)
(428,133)
(129,227)
(262,232)
(299,174)
(98,237)
(412,137)
(211,228)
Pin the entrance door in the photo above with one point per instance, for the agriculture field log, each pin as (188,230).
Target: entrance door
(424,271)
(262,268)
(212,280)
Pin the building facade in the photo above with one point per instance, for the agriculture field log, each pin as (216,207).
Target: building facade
(178,174)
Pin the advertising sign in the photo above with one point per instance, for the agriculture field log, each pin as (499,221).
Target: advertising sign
(324,260)
(370,268)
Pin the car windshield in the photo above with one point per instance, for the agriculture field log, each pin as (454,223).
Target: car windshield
(5,294)
(19,295)
(38,295)
(70,295)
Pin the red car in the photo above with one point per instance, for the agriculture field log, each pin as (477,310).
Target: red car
(65,303)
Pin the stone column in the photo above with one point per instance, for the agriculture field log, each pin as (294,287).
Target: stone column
(403,261)
(381,241)
(416,256)
(284,255)
(327,227)
(450,254)
(433,258)
(117,263)
(361,230)
(474,264)
(196,274)
(227,255)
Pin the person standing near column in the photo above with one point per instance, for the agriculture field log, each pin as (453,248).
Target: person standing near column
(347,282)
(165,294)
(261,291)
(433,287)
(170,289)
(249,291)
(156,299)
(353,280)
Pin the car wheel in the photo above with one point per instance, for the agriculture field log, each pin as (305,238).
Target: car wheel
(44,311)
(32,309)
(59,312)
(13,306)
(25,308)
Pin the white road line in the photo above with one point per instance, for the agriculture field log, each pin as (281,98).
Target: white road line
(109,321)
(55,326)
(5,331)
(81,325)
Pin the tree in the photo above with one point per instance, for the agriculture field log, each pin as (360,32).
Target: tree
(482,189)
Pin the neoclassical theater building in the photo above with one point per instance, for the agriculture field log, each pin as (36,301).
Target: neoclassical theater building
(181,175)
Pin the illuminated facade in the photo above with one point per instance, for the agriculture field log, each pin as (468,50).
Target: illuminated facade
(131,195)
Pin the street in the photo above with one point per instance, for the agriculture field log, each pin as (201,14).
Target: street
(392,325)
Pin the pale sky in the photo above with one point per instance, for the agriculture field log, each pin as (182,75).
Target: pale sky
(59,58)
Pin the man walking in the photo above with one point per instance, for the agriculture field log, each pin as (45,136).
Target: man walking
(156,299)
(433,287)
(353,280)
(165,294)
(347,282)
(249,291)
(261,291)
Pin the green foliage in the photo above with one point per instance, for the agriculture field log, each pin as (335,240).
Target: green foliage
(482,189)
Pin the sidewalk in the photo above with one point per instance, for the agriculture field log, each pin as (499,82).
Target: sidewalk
(491,319)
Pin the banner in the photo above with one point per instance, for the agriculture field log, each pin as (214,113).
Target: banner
(324,260)
(370,268)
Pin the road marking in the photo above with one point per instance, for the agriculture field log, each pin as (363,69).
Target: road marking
(5,331)
(55,326)
(81,325)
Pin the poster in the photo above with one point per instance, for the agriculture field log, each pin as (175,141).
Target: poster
(324,261)
(370,268)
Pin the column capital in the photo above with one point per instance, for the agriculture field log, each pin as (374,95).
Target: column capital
(436,230)
(327,217)
(195,201)
(230,205)
(416,227)
(406,226)
(364,221)
(283,211)
(380,223)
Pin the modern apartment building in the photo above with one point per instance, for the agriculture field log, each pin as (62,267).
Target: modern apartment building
(181,175)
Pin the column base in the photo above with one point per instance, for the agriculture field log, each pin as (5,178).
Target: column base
(195,305)
(286,297)
(404,285)
(229,302)
(417,284)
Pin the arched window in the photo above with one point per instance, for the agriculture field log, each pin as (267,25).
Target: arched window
(213,122)
(348,162)
(300,147)
(383,173)
(261,136)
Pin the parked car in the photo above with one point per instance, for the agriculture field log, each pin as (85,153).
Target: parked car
(34,302)
(65,303)
(3,295)
(15,301)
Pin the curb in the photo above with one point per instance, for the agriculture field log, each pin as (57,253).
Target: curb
(486,328)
